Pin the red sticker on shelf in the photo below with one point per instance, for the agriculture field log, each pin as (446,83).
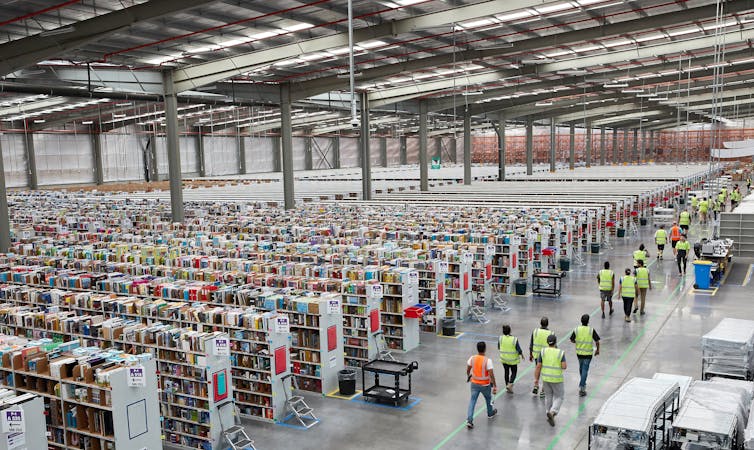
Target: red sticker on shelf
(489,271)
(441,293)
(281,360)
(332,338)
(374,320)
(465,280)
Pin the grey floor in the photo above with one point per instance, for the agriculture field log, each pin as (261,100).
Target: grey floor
(667,339)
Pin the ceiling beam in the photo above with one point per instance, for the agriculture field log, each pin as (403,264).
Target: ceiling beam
(15,55)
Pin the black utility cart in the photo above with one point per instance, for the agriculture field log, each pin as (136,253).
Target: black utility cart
(546,283)
(394,393)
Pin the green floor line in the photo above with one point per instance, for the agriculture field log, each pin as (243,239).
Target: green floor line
(613,367)
(519,376)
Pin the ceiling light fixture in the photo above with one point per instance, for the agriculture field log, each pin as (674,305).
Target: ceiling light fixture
(615,85)
(543,104)
(58,31)
(473,93)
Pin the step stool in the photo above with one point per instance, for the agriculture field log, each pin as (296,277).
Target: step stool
(383,352)
(235,434)
(296,403)
(476,310)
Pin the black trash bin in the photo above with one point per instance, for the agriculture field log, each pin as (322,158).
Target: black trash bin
(595,247)
(621,232)
(565,264)
(520,286)
(448,326)
(642,221)
(347,381)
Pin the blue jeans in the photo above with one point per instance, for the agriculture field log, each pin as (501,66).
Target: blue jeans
(584,371)
(477,389)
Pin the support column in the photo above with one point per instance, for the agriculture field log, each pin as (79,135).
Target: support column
(366,160)
(200,152)
(467,148)
(336,152)
(454,149)
(403,152)
(423,169)
(286,146)
(635,153)
(572,147)
(174,152)
(4,215)
(308,163)
(652,144)
(603,145)
(588,149)
(31,160)
(241,152)
(553,143)
(529,146)
(96,154)
(501,147)
(615,145)
(277,163)
(643,149)
(383,152)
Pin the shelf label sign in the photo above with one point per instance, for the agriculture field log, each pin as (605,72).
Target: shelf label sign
(137,377)
(13,421)
(467,258)
(222,346)
(490,250)
(282,325)
(376,290)
(413,278)
(443,267)
(333,306)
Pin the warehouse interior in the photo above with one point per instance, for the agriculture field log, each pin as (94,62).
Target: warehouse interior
(222,221)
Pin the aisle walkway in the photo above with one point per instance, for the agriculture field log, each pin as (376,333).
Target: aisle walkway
(666,339)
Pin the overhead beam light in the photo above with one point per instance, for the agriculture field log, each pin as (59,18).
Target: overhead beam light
(88,122)
(631,91)
(615,85)
(543,104)
(473,93)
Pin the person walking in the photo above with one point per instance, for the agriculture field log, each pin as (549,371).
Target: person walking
(510,356)
(606,282)
(640,255)
(683,248)
(661,238)
(694,205)
(684,220)
(735,198)
(551,363)
(480,373)
(703,209)
(628,293)
(537,342)
(675,236)
(586,339)
(644,283)
(716,206)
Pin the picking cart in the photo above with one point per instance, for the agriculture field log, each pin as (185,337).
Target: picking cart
(394,393)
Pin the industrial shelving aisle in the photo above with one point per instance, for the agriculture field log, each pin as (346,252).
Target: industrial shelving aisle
(359,306)
(457,282)
(503,264)
(400,291)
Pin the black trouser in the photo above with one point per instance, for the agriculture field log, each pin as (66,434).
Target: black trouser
(627,303)
(510,373)
(681,259)
(685,228)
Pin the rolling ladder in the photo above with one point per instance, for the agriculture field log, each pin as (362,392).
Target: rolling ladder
(476,309)
(498,298)
(303,413)
(235,434)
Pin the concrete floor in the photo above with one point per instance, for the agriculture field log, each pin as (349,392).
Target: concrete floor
(667,339)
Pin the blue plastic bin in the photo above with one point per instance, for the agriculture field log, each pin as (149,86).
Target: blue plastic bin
(702,270)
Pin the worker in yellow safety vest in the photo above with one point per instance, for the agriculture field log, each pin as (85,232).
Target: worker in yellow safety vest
(510,356)
(683,247)
(628,292)
(661,238)
(585,339)
(684,220)
(482,376)
(703,208)
(694,205)
(551,363)
(722,197)
(537,342)
(640,255)
(606,282)
(644,283)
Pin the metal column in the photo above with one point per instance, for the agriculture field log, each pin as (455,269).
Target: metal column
(423,169)
(454,149)
(174,151)
(200,152)
(277,163)
(652,144)
(572,147)
(635,154)
(467,148)
(588,149)
(241,152)
(603,144)
(366,160)
(336,152)
(31,160)
(308,147)
(626,151)
(383,152)
(643,149)
(529,146)
(97,154)
(553,144)
(615,145)
(286,146)
(4,215)
(501,147)
(403,151)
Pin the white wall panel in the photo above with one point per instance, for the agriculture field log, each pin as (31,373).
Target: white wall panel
(122,157)
(393,152)
(14,160)
(189,161)
(322,153)
(221,155)
(63,158)
(374,152)
(349,152)
(259,156)
(299,153)
(161,145)
(412,150)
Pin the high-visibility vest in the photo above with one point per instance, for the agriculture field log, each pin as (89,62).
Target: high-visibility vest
(683,246)
(539,340)
(584,346)
(685,218)
(721,197)
(606,279)
(675,233)
(552,371)
(508,353)
(479,373)
(640,255)
(703,206)
(642,277)
(628,288)
(661,237)
(694,202)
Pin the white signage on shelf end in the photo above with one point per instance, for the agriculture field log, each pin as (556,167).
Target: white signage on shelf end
(333,306)
(222,346)
(376,290)
(136,376)
(13,421)
(282,325)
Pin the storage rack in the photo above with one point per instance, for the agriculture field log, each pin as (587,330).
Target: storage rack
(32,410)
(400,290)
(457,282)
(361,316)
